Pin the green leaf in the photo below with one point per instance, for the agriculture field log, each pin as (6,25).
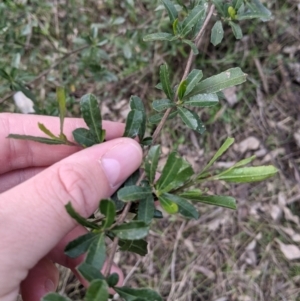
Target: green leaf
(89,272)
(79,219)
(97,291)
(216,200)
(191,119)
(134,230)
(236,29)
(190,194)
(237,4)
(192,45)
(61,98)
(134,124)
(5,75)
(43,128)
(92,116)
(219,6)
(159,36)
(165,81)
(55,297)
(160,105)
(36,139)
(80,245)
(216,83)
(203,100)
(255,10)
(151,162)
(147,141)
(112,280)
(181,89)
(133,193)
(190,21)
(157,117)
(248,174)
(224,147)
(184,207)
(84,137)
(176,27)
(108,209)
(135,246)
(132,294)
(193,79)
(217,33)
(167,205)
(146,209)
(174,174)
(96,252)
(136,103)
(157,214)
(172,12)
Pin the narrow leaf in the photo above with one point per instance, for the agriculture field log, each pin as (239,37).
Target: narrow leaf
(79,219)
(236,29)
(133,193)
(43,128)
(181,89)
(89,272)
(248,174)
(165,81)
(135,246)
(191,119)
(237,4)
(61,98)
(203,100)
(97,291)
(217,33)
(36,139)
(216,83)
(84,137)
(136,103)
(159,36)
(224,147)
(192,45)
(172,12)
(190,21)
(132,294)
(216,200)
(96,252)
(184,207)
(80,245)
(108,209)
(151,162)
(146,209)
(219,6)
(167,205)
(134,124)
(160,105)
(55,297)
(131,231)
(193,79)
(92,116)
(190,194)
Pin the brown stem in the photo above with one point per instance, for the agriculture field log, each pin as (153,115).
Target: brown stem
(156,134)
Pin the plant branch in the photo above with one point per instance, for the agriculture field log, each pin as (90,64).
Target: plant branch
(155,135)
(45,72)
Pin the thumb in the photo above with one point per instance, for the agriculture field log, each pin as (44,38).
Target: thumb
(32,215)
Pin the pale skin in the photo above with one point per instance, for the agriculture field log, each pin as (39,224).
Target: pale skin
(36,181)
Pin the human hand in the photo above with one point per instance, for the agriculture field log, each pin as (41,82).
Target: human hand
(36,182)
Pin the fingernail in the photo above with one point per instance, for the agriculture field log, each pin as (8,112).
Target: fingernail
(120,161)
(49,286)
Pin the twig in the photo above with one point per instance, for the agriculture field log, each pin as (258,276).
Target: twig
(155,135)
(45,72)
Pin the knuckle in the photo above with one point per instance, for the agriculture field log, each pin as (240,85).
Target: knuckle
(72,184)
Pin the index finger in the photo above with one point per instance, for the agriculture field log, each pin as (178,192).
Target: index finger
(16,154)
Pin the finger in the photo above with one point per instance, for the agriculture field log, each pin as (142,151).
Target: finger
(33,213)
(16,177)
(17,154)
(41,279)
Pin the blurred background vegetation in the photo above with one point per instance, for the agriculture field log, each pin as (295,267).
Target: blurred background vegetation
(96,46)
